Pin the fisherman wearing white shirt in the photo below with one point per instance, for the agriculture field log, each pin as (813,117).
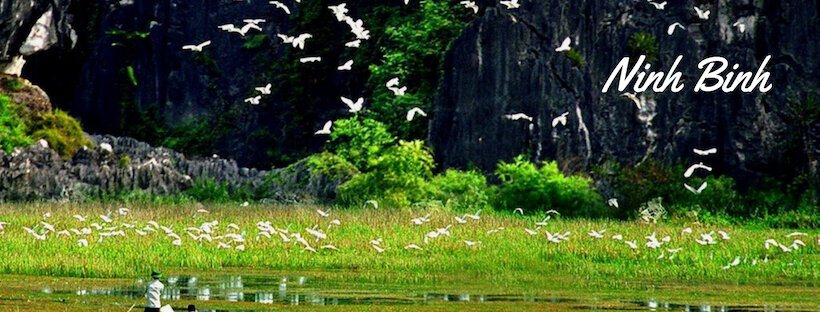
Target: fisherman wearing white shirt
(153,292)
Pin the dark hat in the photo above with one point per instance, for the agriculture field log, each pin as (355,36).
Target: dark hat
(191,308)
(156,275)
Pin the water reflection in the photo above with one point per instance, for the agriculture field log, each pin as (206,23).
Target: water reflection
(301,290)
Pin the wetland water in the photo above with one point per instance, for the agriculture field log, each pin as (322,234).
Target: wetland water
(276,292)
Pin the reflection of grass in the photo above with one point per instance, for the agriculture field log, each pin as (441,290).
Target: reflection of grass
(26,292)
(501,256)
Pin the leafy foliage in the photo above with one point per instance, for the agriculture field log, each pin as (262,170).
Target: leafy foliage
(360,140)
(461,190)
(643,43)
(576,58)
(12,127)
(62,132)
(413,50)
(255,42)
(524,185)
(398,177)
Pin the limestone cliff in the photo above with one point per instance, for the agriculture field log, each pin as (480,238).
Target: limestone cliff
(506,63)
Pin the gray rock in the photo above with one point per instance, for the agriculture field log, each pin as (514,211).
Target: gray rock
(38,173)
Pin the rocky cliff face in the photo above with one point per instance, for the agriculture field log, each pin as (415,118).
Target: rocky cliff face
(30,26)
(115,165)
(506,63)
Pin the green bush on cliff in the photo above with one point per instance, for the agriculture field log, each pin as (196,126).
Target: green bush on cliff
(62,132)
(643,43)
(12,127)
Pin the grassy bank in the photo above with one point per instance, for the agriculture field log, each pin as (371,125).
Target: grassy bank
(509,255)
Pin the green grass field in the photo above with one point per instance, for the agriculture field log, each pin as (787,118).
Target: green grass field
(509,256)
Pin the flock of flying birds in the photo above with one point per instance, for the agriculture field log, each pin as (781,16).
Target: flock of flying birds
(113,226)
(232,237)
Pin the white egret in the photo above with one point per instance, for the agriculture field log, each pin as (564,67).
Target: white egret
(412,246)
(671,29)
(518,116)
(264,90)
(280,5)
(689,171)
(299,41)
(792,234)
(632,244)
(254,100)
(510,4)
(562,119)
(346,66)
(123,211)
(378,249)
(564,47)
(413,112)
(325,129)
(553,211)
(392,82)
(612,202)
(470,5)
(724,235)
(597,234)
(310,59)
(399,91)
(659,6)
(696,191)
(741,27)
(196,47)
(353,44)
(82,242)
(686,231)
(322,213)
(471,243)
(519,210)
(704,15)
(355,107)
(339,11)
(705,152)
(328,246)
(617,237)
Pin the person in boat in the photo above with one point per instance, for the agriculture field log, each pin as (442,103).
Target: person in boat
(153,291)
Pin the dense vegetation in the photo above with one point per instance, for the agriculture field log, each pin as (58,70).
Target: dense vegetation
(61,131)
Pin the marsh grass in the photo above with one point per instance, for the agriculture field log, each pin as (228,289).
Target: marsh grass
(507,257)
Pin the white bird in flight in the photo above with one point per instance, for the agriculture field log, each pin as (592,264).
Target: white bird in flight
(564,47)
(254,100)
(355,107)
(280,5)
(339,11)
(413,112)
(704,15)
(659,6)
(562,119)
(612,202)
(196,47)
(299,41)
(689,171)
(346,66)
(264,90)
(470,5)
(310,59)
(398,91)
(511,4)
(705,152)
(519,210)
(353,44)
(518,116)
(696,191)
(392,82)
(671,29)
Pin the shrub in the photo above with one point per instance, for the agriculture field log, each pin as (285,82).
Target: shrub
(460,190)
(643,43)
(576,58)
(524,185)
(12,127)
(359,141)
(254,42)
(125,161)
(62,132)
(398,178)
(13,84)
